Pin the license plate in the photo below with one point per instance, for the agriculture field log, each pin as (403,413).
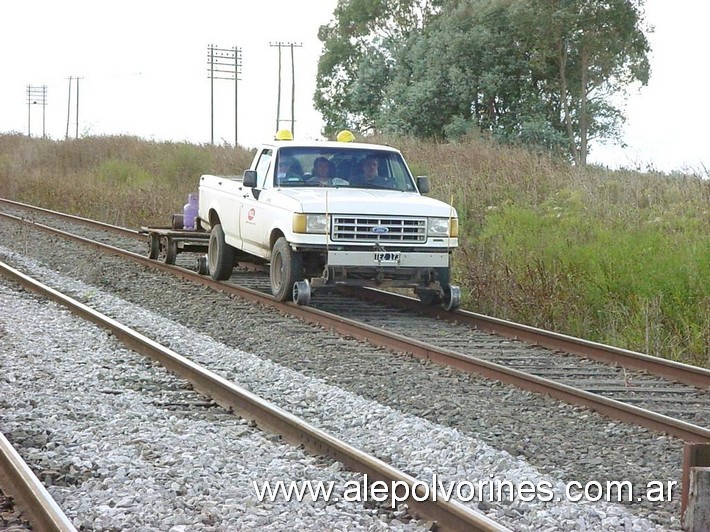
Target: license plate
(387,256)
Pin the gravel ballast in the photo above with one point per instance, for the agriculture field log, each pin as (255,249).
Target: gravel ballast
(125,446)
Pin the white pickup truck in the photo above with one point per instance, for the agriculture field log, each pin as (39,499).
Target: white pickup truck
(326,214)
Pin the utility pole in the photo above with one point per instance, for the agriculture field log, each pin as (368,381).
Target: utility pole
(36,95)
(66,134)
(224,63)
(77,107)
(291,45)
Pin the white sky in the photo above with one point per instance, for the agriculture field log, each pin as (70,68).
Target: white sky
(144,70)
(667,120)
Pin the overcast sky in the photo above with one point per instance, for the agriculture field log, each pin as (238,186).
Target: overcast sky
(143,68)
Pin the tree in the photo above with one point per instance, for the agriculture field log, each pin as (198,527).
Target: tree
(359,46)
(596,49)
(542,72)
(465,69)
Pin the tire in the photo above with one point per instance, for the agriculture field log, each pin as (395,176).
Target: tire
(443,275)
(286,268)
(431,297)
(177,222)
(220,255)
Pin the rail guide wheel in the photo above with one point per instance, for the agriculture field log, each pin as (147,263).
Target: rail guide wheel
(452,297)
(203,267)
(301,292)
(153,246)
(170,250)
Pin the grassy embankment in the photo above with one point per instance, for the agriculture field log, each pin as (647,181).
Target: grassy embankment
(617,257)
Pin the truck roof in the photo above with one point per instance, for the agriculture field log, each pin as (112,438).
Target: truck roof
(327,144)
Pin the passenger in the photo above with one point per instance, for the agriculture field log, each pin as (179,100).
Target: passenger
(324,174)
(369,174)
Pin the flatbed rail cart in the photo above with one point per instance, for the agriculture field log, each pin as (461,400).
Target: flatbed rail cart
(164,243)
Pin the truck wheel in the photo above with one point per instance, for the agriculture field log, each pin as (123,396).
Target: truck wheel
(433,297)
(286,269)
(220,255)
(443,275)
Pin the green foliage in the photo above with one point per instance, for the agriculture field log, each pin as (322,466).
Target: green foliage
(186,162)
(580,54)
(640,279)
(534,72)
(458,128)
(115,172)
(359,47)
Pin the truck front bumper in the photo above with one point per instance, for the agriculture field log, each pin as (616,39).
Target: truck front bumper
(388,259)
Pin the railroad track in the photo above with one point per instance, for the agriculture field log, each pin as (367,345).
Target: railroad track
(654,393)
(384,314)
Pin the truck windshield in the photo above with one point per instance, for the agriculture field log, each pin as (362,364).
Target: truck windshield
(342,167)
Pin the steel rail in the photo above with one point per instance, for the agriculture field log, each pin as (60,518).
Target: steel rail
(610,407)
(86,221)
(38,506)
(669,369)
(448,515)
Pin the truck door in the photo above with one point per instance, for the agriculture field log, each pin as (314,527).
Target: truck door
(252,213)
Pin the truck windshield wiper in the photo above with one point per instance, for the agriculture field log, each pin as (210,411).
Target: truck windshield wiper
(374,186)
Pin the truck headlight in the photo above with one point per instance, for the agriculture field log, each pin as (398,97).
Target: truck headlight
(443,227)
(310,223)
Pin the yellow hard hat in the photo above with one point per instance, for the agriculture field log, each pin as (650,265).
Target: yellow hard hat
(283,134)
(345,136)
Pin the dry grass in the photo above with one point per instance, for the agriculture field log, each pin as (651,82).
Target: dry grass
(121,180)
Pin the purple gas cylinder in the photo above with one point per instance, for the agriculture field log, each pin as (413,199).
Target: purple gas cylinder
(189,211)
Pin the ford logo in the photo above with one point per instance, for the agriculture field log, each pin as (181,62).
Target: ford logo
(380,229)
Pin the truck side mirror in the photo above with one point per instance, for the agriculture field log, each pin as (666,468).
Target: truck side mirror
(250,178)
(423,184)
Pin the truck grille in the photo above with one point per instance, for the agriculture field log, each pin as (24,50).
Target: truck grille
(378,229)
